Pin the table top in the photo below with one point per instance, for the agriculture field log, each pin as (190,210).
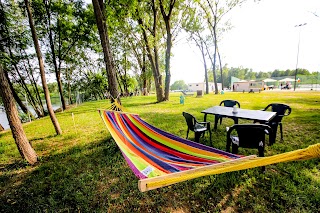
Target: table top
(241,113)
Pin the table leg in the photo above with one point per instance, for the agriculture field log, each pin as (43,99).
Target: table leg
(209,128)
(228,145)
(216,119)
(236,120)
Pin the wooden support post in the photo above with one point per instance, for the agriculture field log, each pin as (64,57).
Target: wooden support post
(192,173)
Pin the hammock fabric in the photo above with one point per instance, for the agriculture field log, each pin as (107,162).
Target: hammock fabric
(159,158)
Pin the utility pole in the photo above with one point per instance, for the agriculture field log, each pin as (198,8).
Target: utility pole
(295,75)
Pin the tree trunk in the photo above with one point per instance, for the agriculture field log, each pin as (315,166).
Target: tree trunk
(142,66)
(69,87)
(220,64)
(166,18)
(200,44)
(154,65)
(26,89)
(214,72)
(153,57)
(213,63)
(53,53)
(15,95)
(25,149)
(42,72)
(168,57)
(144,74)
(215,56)
(35,89)
(104,39)
(205,69)
(38,97)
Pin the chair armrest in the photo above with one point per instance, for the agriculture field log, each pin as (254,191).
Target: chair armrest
(265,109)
(289,112)
(204,122)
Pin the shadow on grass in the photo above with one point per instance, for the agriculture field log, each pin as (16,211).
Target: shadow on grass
(140,104)
(95,178)
(13,166)
(64,181)
(42,138)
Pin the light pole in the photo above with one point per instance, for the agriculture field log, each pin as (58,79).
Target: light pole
(295,75)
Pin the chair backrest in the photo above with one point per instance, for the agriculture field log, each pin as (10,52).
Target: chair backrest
(229,103)
(250,135)
(281,110)
(190,119)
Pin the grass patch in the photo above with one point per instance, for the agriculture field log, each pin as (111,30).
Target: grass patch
(83,169)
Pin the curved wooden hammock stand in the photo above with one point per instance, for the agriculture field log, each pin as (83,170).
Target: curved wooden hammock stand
(159,158)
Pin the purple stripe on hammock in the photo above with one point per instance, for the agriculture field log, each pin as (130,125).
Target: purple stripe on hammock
(159,152)
(137,173)
(164,165)
(185,141)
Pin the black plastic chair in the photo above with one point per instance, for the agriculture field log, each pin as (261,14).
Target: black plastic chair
(228,103)
(248,136)
(281,110)
(199,128)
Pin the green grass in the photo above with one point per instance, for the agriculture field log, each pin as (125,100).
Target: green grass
(83,170)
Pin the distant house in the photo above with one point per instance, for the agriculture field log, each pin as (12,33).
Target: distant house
(247,86)
(193,87)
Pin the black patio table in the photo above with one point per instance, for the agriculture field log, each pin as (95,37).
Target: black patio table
(257,115)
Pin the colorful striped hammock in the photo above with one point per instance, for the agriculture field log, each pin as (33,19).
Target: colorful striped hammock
(159,158)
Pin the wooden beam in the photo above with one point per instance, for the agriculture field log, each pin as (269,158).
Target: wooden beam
(172,177)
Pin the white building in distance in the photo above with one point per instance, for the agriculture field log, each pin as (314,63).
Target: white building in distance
(193,87)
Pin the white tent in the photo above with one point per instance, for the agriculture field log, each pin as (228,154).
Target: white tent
(286,79)
(269,80)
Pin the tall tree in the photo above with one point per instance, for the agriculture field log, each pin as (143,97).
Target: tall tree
(139,53)
(149,23)
(25,149)
(11,37)
(57,71)
(167,15)
(68,28)
(99,11)
(193,23)
(215,10)
(42,72)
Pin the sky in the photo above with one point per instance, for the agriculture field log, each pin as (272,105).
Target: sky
(263,38)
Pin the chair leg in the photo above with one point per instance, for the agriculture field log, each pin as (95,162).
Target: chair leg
(228,145)
(202,134)
(261,154)
(235,148)
(197,136)
(281,131)
(274,133)
(187,133)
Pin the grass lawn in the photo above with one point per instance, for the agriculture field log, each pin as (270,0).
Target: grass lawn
(83,169)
